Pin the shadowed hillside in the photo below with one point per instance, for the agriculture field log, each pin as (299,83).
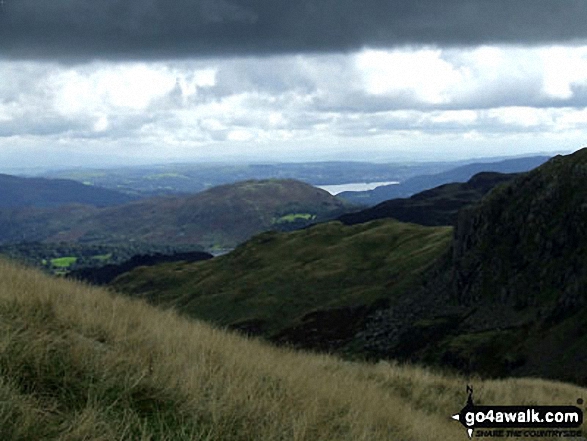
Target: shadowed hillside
(417,184)
(105,274)
(507,297)
(438,206)
(80,363)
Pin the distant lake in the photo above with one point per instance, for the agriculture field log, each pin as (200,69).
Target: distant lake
(356,186)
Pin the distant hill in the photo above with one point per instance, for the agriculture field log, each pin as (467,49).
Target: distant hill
(220,217)
(417,184)
(511,296)
(438,206)
(17,192)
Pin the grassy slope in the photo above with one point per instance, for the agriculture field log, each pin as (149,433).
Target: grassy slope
(81,363)
(276,278)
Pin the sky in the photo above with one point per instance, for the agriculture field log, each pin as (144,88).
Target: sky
(110,82)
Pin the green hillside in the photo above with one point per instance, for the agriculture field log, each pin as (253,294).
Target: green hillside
(274,281)
(78,363)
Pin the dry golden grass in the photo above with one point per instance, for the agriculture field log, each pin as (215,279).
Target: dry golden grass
(81,363)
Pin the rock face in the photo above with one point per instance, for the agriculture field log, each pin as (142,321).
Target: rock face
(510,298)
(526,244)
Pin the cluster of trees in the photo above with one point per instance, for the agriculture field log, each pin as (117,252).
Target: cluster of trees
(64,257)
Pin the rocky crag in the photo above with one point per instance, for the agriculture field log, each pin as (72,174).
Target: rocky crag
(510,298)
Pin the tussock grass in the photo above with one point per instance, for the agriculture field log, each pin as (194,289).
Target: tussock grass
(82,363)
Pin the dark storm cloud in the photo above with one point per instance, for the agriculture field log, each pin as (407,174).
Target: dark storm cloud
(183,28)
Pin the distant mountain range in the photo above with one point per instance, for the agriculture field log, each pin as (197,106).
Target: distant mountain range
(434,207)
(17,192)
(419,183)
(193,178)
(217,218)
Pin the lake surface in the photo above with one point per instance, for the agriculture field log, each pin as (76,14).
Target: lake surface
(355,186)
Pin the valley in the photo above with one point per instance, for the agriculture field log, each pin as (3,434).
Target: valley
(236,220)
(470,299)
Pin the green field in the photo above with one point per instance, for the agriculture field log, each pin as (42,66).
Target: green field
(61,258)
(63,262)
(292,217)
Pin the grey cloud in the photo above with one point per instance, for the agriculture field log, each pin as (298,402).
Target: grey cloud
(332,83)
(40,126)
(270,75)
(375,125)
(86,29)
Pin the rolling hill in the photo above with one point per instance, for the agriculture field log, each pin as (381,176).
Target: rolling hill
(220,217)
(81,363)
(434,207)
(420,183)
(17,192)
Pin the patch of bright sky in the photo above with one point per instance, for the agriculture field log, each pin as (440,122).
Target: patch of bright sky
(562,68)
(422,72)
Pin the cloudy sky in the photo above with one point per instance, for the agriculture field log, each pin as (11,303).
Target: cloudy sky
(97,82)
